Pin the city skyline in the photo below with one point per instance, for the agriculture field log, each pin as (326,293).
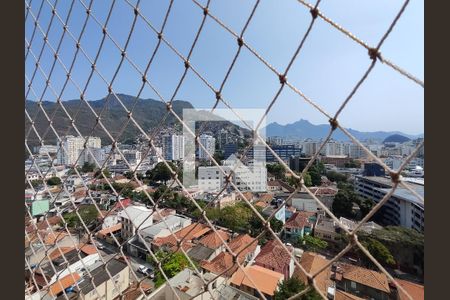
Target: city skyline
(326,70)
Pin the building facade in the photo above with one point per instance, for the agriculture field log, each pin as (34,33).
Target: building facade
(173,147)
(402,209)
(209,143)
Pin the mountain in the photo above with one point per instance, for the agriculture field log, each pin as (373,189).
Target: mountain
(303,129)
(396,138)
(148,113)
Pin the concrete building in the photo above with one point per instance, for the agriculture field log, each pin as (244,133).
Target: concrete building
(402,209)
(133,157)
(229,149)
(246,178)
(133,217)
(73,147)
(209,143)
(173,147)
(106,287)
(283,151)
(333,148)
(354,151)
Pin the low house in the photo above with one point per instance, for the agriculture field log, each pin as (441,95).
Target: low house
(187,234)
(263,280)
(139,245)
(279,186)
(361,282)
(299,224)
(273,256)
(312,263)
(416,291)
(327,229)
(187,285)
(164,228)
(163,213)
(245,245)
(209,246)
(102,286)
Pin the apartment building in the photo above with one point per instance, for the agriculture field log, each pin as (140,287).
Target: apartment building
(173,147)
(402,209)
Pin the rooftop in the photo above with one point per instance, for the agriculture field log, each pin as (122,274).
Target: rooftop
(100,275)
(416,291)
(299,219)
(264,279)
(364,276)
(273,255)
(313,262)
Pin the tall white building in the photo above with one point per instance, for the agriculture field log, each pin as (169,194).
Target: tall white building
(173,147)
(246,178)
(354,151)
(209,143)
(73,147)
(332,148)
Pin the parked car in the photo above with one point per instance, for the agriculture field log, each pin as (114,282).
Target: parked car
(146,271)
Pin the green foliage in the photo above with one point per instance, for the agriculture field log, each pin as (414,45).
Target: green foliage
(98,173)
(343,204)
(306,179)
(87,167)
(54,181)
(290,287)
(336,177)
(312,243)
(379,252)
(171,264)
(353,164)
(88,213)
(276,170)
(316,171)
(161,172)
(37,182)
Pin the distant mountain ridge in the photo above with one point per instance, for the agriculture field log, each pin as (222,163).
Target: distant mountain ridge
(304,129)
(148,113)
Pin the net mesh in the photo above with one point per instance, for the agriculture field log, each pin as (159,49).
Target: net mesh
(44,241)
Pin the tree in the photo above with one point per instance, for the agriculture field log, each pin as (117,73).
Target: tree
(336,177)
(98,173)
(161,172)
(343,204)
(277,170)
(37,182)
(312,243)
(316,171)
(352,164)
(290,287)
(379,251)
(306,180)
(88,213)
(54,180)
(171,264)
(87,167)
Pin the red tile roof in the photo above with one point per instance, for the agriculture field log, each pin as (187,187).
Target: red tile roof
(312,263)
(416,291)
(341,295)
(187,233)
(212,240)
(273,255)
(299,219)
(224,261)
(264,279)
(364,276)
(64,283)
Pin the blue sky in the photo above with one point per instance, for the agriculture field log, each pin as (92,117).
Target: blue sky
(326,69)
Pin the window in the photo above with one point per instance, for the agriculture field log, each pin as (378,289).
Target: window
(353,284)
